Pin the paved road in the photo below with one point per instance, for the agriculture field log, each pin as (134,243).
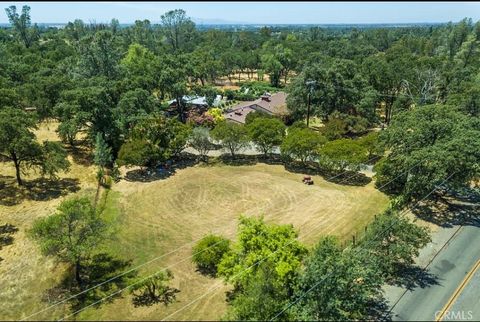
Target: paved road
(467,305)
(451,265)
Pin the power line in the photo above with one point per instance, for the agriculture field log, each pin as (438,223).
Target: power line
(144,264)
(261,260)
(145,278)
(359,248)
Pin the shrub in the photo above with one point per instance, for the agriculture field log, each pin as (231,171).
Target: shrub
(208,253)
(230,94)
(216,113)
(196,118)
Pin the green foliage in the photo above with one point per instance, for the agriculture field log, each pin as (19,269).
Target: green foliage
(337,285)
(53,159)
(18,144)
(233,136)
(261,299)
(339,87)
(208,253)
(302,143)
(258,241)
(103,153)
(334,129)
(22,24)
(132,107)
(427,144)
(154,139)
(200,141)
(344,153)
(266,133)
(135,152)
(178,29)
(230,94)
(72,234)
(92,108)
(179,135)
(140,65)
(393,241)
(371,143)
(99,55)
(217,114)
(254,115)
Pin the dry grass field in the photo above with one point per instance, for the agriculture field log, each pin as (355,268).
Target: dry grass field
(24,272)
(160,216)
(157,217)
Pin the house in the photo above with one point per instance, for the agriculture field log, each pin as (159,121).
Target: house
(272,104)
(199,102)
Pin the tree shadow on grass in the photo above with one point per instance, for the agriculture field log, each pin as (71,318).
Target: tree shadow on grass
(169,296)
(81,154)
(100,270)
(44,189)
(238,160)
(40,189)
(207,271)
(348,178)
(10,193)
(163,171)
(6,234)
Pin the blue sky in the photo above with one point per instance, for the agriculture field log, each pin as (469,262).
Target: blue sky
(255,12)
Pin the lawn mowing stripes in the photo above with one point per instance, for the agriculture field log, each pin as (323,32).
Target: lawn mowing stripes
(359,248)
(128,286)
(160,257)
(218,285)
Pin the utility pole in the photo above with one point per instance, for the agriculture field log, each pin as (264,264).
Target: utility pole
(310,84)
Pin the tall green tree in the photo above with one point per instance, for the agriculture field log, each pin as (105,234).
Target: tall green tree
(19,145)
(302,144)
(72,234)
(258,243)
(266,133)
(336,285)
(344,153)
(200,141)
(22,24)
(233,136)
(427,145)
(392,242)
(179,29)
(262,297)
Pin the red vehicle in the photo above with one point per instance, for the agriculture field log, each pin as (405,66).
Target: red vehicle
(307,180)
